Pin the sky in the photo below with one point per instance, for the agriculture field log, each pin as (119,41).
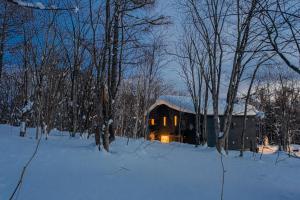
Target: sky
(172,32)
(171,73)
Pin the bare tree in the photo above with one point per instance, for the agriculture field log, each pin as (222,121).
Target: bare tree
(193,63)
(73,38)
(122,22)
(11,19)
(248,98)
(280,19)
(208,19)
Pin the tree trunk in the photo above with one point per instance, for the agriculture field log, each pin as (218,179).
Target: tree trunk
(74,101)
(245,111)
(204,125)
(23,129)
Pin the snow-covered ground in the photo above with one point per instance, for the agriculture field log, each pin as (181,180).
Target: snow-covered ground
(72,169)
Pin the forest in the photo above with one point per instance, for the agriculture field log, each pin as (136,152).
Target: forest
(96,67)
(92,68)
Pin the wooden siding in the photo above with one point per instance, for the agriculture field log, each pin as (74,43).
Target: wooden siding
(187,123)
(234,140)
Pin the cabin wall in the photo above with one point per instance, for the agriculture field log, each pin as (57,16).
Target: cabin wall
(211,136)
(234,140)
(185,122)
(188,133)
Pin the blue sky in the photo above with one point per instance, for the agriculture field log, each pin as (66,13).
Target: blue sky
(172,33)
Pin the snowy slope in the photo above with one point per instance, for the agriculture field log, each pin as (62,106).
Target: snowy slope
(72,169)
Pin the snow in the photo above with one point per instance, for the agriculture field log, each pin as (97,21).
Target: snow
(54,7)
(72,168)
(76,9)
(221,134)
(40,5)
(185,104)
(27,107)
(271,149)
(260,115)
(22,127)
(23,3)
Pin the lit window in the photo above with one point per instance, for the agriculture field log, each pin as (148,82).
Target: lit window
(165,121)
(175,120)
(152,122)
(164,139)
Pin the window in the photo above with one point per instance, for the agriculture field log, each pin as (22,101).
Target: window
(175,120)
(165,139)
(165,121)
(152,122)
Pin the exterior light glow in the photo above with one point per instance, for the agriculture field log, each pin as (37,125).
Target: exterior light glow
(152,136)
(165,139)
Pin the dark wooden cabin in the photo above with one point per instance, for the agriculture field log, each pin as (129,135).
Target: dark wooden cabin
(164,121)
(172,118)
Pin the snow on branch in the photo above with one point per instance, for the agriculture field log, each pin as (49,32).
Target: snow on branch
(27,107)
(40,6)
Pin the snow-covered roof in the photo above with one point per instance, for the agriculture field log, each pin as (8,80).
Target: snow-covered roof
(185,104)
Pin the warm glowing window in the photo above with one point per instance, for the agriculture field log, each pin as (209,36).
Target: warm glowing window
(165,121)
(152,122)
(164,139)
(175,120)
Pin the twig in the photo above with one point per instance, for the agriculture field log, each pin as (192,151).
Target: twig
(24,170)
(223,177)
(117,171)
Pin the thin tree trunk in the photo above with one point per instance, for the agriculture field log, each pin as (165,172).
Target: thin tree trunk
(245,111)
(204,125)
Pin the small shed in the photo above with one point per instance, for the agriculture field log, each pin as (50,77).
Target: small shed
(172,118)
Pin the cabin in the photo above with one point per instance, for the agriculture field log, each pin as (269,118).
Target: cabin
(172,118)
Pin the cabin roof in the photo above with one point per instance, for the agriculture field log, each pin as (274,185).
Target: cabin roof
(185,104)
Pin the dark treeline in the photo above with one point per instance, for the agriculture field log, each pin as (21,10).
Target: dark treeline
(278,97)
